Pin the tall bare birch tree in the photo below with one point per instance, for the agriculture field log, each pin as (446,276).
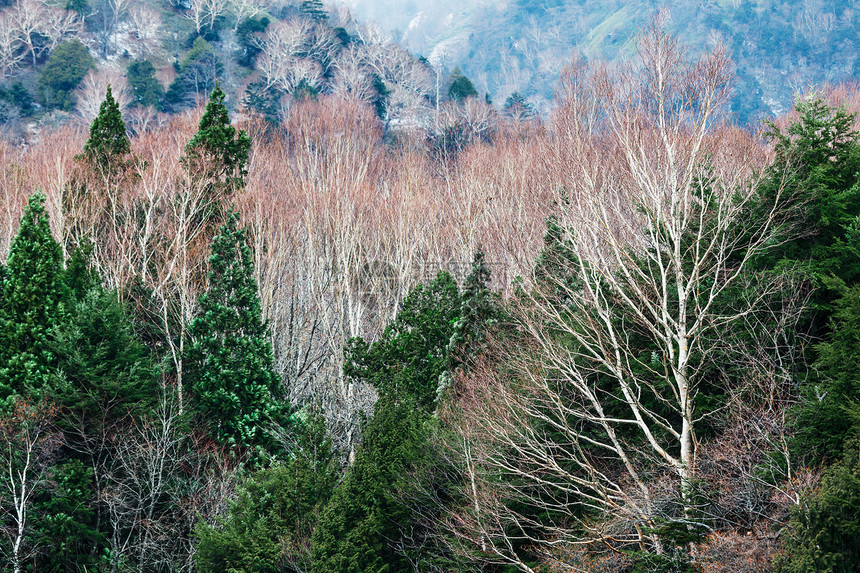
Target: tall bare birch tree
(598,433)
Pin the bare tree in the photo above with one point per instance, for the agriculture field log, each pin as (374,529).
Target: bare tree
(11,44)
(160,481)
(295,52)
(105,20)
(29,18)
(351,80)
(29,444)
(201,11)
(617,341)
(246,9)
(146,25)
(91,92)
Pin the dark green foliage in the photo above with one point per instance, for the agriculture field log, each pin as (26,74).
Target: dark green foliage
(818,161)
(822,426)
(246,33)
(263,99)
(80,276)
(64,70)
(412,353)
(108,143)
(82,7)
(360,528)
(269,525)
(480,310)
(147,89)
(304,91)
(197,76)
(34,300)
(380,101)
(516,105)
(18,96)
(461,87)
(107,373)
(371,523)
(824,531)
(65,520)
(237,394)
(314,9)
(218,152)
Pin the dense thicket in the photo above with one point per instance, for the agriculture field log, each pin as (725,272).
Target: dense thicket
(621,340)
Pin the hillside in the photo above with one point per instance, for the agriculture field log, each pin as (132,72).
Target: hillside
(279,296)
(780,48)
(164,58)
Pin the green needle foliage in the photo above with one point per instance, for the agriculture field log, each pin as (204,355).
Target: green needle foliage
(461,87)
(824,531)
(268,527)
(361,524)
(412,353)
(33,304)
(314,10)
(817,165)
(237,393)
(64,70)
(217,153)
(822,426)
(108,143)
(146,87)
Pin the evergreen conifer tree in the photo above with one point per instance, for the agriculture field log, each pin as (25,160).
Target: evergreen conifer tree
(34,298)
(359,529)
(480,308)
(217,153)
(412,353)
(461,87)
(314,9)
(237,393)
(270,523)
(108,142)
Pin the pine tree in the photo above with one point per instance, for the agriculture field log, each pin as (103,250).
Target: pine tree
(461,87)
(361,525)
(314,9)
(516,105)
(823,533)
(34,298)
(412,353)
(271,521)
(816,167)
(237,393)
(480,309)
(108,143)
(218,153)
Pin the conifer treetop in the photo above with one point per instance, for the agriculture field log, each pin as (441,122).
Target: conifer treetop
(33,303)
(231,361)
(217,150)
(108,139)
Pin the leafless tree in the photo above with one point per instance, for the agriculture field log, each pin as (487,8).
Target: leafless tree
(654,224)
(201,11)
(91,93)
(29,444)
(11,45)
(351,80)
(146,25)
(106,19)
(245,9)
(149,514)
(297,51)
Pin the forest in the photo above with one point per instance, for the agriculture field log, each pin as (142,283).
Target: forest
(623,337)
